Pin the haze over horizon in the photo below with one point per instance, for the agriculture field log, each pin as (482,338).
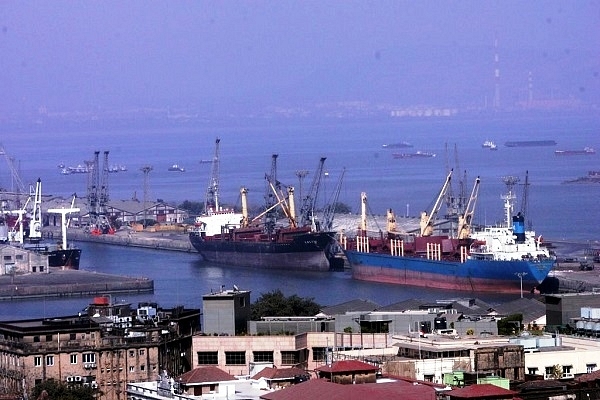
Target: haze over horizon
(111,55)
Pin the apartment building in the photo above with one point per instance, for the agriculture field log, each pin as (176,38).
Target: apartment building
(106,348)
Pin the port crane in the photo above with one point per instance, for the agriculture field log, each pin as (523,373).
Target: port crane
(309,202)
(464,220)
(329,212)
(98,196)
(426,223)
(211,200)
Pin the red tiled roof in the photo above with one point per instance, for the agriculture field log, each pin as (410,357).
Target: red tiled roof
(322,389)
(481,391)
(204,375)
(592,376)
(348,366)
(280,373)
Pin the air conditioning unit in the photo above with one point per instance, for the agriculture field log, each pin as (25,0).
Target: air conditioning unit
(92,365)
(77,378)
(69,379)
(94,385)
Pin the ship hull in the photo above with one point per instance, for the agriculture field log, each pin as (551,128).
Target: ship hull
(308,252)
(65,259)
(472,275)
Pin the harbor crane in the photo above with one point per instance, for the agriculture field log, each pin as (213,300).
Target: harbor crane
(464,220)
(309,202)
(426,222)
(329,212)
(211,200)
(98,196)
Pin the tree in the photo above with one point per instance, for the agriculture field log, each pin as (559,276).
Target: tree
(192,207)
(54,390)
(275,304)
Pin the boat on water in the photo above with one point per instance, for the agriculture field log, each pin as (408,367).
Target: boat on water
(176,168)
(417,154)
(530,143)
(399,145)
(488,144)
(502,259)
(591,177)
(586,151)
(262,242)
(25,232)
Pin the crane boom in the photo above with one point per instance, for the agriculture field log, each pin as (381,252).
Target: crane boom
(427,220)
(211,202)
(309,201)
(329,212)
(464,220)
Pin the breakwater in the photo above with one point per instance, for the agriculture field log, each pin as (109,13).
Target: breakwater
(69,283)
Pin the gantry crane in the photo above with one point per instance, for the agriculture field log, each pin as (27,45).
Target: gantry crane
(309,202)
(465,220)
(211,200)
(98,196)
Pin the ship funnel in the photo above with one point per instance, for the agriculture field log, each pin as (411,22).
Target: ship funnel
(518,222)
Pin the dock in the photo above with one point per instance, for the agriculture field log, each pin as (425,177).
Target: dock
(69,283)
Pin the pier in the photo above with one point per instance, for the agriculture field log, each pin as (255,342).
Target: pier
(69,283)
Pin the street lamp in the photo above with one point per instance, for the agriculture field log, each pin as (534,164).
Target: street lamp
(521,275)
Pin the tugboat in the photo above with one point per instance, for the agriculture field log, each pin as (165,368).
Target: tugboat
(176,168)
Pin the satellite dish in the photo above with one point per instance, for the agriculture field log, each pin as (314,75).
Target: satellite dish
(236,288)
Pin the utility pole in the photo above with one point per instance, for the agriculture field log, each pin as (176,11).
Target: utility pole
(146,170)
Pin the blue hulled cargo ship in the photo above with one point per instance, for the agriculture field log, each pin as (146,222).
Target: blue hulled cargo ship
(501,259)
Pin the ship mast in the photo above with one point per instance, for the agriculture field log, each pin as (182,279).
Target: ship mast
(510,182)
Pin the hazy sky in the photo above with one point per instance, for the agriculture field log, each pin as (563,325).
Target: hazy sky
(80,55)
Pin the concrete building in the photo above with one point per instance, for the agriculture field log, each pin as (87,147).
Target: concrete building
(16,260)
(104,349)
(562,309)
(226,312)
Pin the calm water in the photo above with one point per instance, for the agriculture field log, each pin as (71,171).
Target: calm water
(408,186)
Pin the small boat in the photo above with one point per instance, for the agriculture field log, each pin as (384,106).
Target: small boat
(488,144)
(587,151)
(400,145)
(176,168)
(417,154)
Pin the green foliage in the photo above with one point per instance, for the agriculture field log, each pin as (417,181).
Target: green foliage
(348,329)
(55,390)
(192,207)
(510,325)
(275,304)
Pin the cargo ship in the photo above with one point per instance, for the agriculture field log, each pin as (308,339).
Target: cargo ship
(399,145)
(226,237)
(260,246)
(500,259)
(417,154)
(587,151)
(530,143)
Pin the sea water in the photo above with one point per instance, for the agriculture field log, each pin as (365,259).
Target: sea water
(554,209)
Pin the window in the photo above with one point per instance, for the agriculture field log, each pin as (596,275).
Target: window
(142,352)
(36,339)
(208,358)
(131,353)
(242,301)
(549,370)
(289,357)
(19,257)
(37,361)
(72,336)
(532,371)
(263,356)
(567,369)
(89,357)
(235,358)
(73,358)
(48,338)
(131,368)
(7,258)
(318,353)
(590,367)
(49,361)
(142,367)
